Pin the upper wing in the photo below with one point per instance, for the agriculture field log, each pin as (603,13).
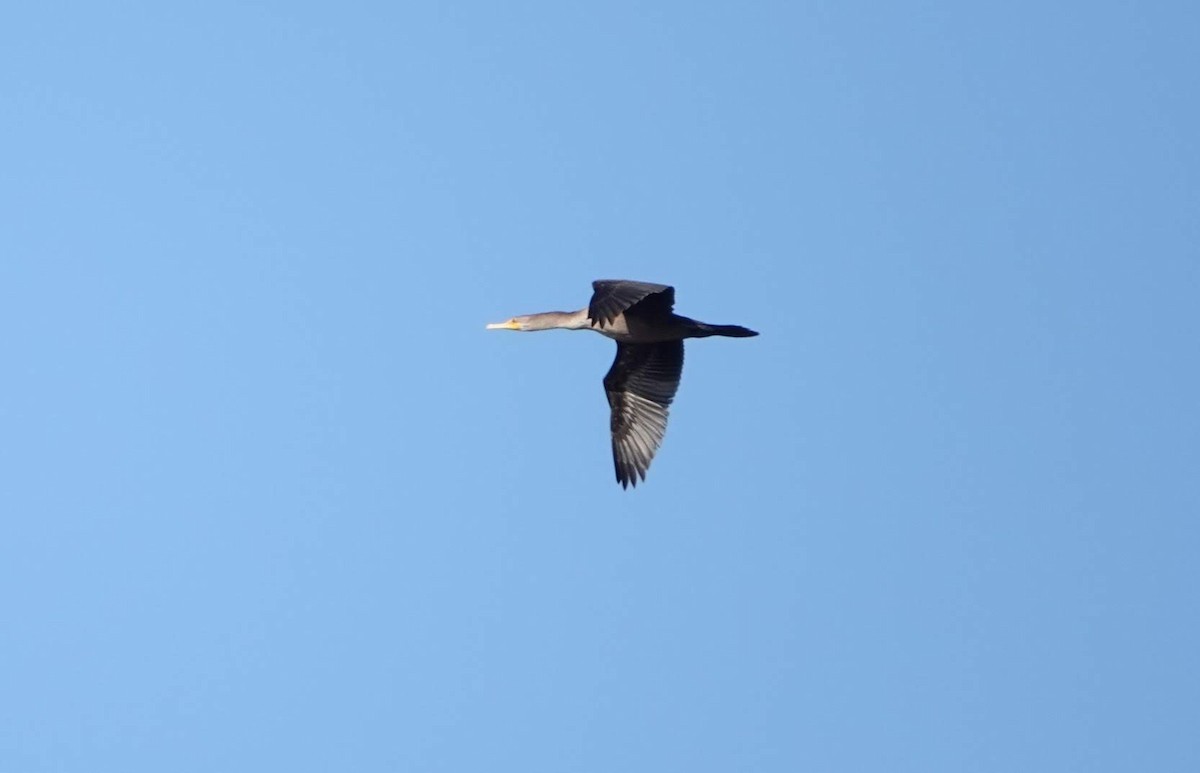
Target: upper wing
(641,385)
(613,296)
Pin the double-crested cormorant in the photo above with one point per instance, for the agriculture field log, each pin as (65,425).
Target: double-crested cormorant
(642,380)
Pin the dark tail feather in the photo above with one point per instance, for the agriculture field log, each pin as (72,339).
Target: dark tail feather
(732,331)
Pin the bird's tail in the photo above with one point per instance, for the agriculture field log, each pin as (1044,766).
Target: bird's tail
(730,331)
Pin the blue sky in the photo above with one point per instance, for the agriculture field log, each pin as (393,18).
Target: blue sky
(274,499)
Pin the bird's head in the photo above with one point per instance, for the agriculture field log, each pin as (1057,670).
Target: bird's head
(516,323)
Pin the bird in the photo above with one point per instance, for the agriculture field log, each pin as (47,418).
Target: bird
(644,377)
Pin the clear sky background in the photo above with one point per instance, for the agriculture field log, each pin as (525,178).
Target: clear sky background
(274,500)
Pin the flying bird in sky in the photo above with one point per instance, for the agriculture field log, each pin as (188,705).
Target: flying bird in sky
(643,378)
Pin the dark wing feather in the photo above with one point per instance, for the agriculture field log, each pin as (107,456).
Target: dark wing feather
(641,385)
(611,297)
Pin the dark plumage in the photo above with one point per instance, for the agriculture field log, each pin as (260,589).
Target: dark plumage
(644,377)
(640,386)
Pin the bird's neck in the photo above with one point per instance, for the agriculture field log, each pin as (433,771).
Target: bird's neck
(560,320)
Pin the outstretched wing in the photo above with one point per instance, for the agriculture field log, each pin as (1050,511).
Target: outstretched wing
(641,385)
(610,297)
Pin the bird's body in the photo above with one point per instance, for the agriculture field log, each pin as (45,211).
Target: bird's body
(644,377)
